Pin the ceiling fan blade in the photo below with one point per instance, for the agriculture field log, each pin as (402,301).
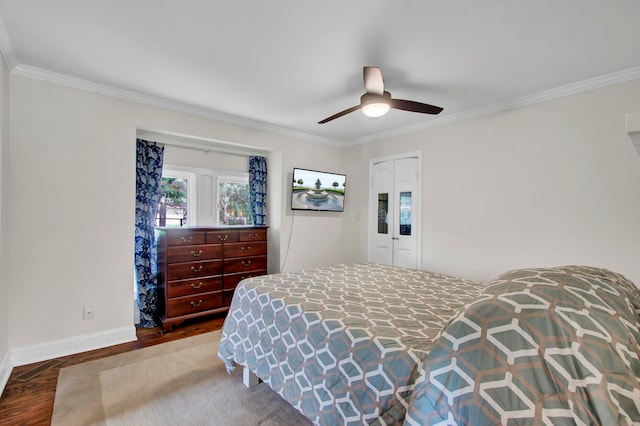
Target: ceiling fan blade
(340,114)
(373,81)
(415,106)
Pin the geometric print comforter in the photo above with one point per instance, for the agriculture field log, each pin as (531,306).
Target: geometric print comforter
(343,344)
(538,346)
(372,344)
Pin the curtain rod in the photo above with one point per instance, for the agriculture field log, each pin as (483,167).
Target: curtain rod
(181,142)
(207,149)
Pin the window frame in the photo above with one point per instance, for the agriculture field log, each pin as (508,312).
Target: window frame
(190,177)
(203,185)
(232,177)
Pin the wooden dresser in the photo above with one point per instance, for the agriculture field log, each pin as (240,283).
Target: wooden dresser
(200,267)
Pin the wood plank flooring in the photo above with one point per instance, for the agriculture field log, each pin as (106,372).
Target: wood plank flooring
(31,402)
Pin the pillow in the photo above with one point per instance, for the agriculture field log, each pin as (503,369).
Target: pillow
(545,345)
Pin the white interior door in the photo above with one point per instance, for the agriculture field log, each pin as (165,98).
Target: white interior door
(394,221)
(405,205)
(381,243)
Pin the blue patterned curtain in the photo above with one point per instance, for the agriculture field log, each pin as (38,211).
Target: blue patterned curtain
(258,189)
(149,157)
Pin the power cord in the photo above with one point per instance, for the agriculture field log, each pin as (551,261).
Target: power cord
(286,255)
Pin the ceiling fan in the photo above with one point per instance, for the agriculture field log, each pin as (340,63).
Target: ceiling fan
(376,102)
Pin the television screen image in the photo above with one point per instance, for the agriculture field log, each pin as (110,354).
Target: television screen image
(319,191)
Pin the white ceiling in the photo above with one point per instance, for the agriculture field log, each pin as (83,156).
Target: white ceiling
(286,64)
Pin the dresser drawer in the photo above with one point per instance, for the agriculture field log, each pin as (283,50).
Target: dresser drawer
(192,253)
(245,264)
(181,237)
(194,304)
(245,249)
(227,297)
(217,237)
(179,271)
(231,281)
(199,268)
(252,235)
(194,286)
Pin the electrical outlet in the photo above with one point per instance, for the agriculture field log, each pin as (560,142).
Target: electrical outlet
(87,312)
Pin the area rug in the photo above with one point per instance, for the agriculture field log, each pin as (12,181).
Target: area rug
(175,383)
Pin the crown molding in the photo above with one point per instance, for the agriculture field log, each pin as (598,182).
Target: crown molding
(128,95)
(89,86)
(534,98)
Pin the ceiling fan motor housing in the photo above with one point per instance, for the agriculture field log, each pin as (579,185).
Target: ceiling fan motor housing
(374,105)
(372,98)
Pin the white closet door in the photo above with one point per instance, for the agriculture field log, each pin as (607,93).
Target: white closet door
(382,232)
(405,205)
(394,232)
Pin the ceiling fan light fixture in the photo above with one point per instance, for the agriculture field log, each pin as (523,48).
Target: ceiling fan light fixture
(374,105)
(376,109)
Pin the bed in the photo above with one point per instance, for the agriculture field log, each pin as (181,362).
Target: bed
(374,344)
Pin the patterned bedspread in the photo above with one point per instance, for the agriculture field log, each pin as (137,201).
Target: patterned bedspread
(539,346)
(342,344)
(372,344)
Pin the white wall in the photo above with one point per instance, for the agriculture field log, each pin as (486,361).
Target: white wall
(73,162)
(548,184)
(187,157)
(5,369)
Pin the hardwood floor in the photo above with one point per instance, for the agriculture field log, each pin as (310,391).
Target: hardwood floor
(31,402)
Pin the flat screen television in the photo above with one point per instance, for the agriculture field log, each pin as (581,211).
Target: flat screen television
(317,191)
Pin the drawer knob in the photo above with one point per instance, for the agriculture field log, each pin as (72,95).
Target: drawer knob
(246,263)
(194,254)
(195,305)
(246,249)
(198,269)
(253,236)
(221,238)
(196,286)
(187,240)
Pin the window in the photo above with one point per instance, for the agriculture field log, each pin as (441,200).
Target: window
(383,208)
(195,196)
(177,200)
(405,213)
(233,200)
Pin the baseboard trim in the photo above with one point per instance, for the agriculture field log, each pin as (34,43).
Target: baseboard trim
(5,371)
(71,345)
